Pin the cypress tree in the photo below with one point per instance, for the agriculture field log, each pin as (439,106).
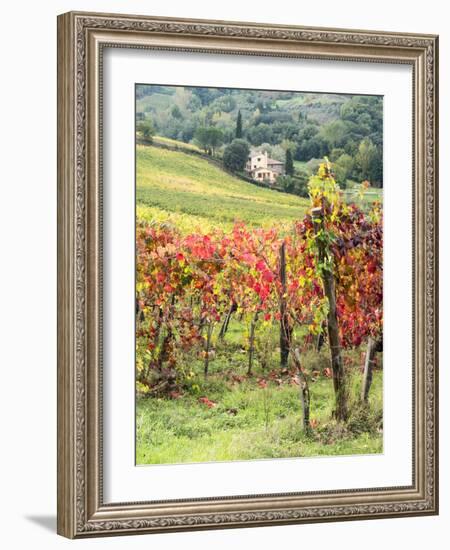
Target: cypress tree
(289,163)
(239,125)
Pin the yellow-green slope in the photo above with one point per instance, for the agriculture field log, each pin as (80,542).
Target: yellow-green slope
(195,194)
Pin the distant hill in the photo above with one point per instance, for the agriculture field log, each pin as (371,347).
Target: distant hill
(318,107)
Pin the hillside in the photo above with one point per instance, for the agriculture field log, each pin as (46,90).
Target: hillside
(196,194)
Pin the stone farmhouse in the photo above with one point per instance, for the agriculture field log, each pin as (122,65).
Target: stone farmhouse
(261,167)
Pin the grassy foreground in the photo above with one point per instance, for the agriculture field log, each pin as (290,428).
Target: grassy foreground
(247,422)
(186,430)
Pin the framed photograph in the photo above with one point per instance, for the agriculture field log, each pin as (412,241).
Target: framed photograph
(247,276)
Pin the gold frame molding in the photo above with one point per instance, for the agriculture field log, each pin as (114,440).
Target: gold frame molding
(81,39)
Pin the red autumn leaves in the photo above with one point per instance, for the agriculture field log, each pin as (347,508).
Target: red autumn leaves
(185,281)
(207,402)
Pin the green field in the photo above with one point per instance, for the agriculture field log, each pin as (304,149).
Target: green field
(370,195)
(197,194)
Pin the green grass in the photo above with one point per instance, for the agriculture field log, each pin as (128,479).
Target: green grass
(373,194)
(250,422)
(253,423)
(181,186)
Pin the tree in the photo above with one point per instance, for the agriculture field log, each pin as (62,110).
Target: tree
(235,155)
(208,138)
(377,166)
(215,136)
(176,113)
(297,185)
(201,137)
(239,125)
(260,134)
(147,130)
(309,143)
(286,183)
(226,103)
(289,163)
(336,153)
(275,151)
(335,133)
(301,183)
(366,157)
(343,168)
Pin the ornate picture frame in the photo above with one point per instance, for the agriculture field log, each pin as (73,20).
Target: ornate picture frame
(82,38)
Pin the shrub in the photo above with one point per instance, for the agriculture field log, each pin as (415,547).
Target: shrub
(235,155)
(145,127)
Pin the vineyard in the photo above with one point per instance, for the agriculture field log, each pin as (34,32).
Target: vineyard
(254,338)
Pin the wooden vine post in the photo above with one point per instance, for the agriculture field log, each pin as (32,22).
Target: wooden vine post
(286,345)
(304,391)
(226,322)
(251,346)
(327,276)
(372,347)
(207,350)
(285,328)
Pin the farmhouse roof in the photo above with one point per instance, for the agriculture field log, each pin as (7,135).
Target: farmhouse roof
(255,153)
